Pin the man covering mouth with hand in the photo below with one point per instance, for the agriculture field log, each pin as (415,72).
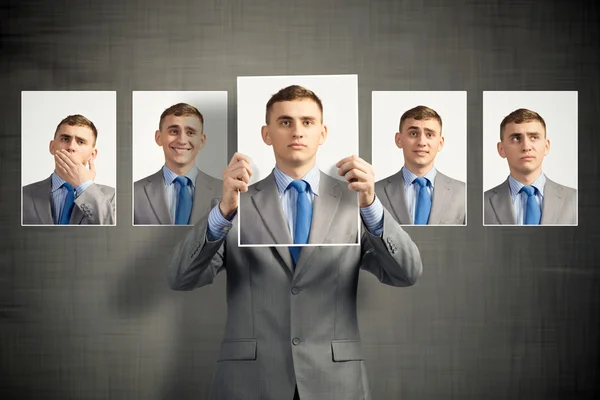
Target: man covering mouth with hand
(70,196)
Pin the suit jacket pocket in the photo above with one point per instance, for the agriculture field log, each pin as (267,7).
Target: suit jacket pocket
(346,350)
(242,349)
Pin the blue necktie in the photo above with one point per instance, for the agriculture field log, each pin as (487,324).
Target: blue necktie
(303,218)
(65,215)
(184,201)
(532,209)
(423,202)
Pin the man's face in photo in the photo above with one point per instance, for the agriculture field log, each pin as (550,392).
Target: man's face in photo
(295,130)
(181,138)
(420,141)
(79,141)
(524,146)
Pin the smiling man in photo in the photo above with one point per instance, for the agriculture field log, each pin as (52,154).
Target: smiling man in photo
(70,196)
(179,193)
(528,196)
(420,194)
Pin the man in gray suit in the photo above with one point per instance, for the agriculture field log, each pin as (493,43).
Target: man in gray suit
(292,329)
(527,196)
(179,193)
(69,196)
(419,193)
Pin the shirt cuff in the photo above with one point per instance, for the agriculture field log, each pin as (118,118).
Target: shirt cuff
(373,217)
(218,225)
(81,188)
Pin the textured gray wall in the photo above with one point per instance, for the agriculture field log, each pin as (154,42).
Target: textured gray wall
(500,313)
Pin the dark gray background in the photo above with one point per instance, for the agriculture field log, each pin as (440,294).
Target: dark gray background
(500,312)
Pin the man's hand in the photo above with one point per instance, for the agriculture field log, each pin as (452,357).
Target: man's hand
(72,171)
(360,176)
(235,179)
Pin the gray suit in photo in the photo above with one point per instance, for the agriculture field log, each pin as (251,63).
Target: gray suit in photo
(447,204)
(95,206)
(559,206)
(150,205)
(262,220)
(287,325)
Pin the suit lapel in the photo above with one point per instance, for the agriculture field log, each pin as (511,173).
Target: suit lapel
(324,211)
(266,202)
(441,193)
(155,190)
(77,216)
(501,204)
(203,195)
(42,200)
(552,203)
(394,191)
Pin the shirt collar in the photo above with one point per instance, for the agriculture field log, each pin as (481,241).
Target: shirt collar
(515,186)
(57,182)
(312,177)
(409,177)
(169,176)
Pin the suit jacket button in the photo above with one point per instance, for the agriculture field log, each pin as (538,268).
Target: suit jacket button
(295,341)
(295,290)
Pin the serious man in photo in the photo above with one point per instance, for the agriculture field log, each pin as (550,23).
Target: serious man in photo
(527,196)
(420,194)
(69,196)
(292,328)
(179,193)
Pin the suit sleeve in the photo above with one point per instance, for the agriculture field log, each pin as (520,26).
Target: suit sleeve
(393,258)
(195,261)
(98,206)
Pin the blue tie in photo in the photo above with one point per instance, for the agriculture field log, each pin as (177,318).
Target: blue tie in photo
(184,201)
(303,218)
(65,215)
(423,202)
(533,213)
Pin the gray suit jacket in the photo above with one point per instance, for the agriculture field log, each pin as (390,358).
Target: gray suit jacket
(291,326)
(262,220)
(150,200)
(447,204)
(559,206)
(95,206)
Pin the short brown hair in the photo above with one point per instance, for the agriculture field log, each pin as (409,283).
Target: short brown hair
(419,113)
(518,117)
(291,93)
(181,110)
(78,120)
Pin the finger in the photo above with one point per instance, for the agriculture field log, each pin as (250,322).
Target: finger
(240,174)
(347,166)
(343,161)
(67,158)
(347,159)
(356,175)
(233,183)
(239,157)
(60,162)
(358,164)
(61,155)
(242,164)
(237,185)
(237,165)
(61,168)
(360,186)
